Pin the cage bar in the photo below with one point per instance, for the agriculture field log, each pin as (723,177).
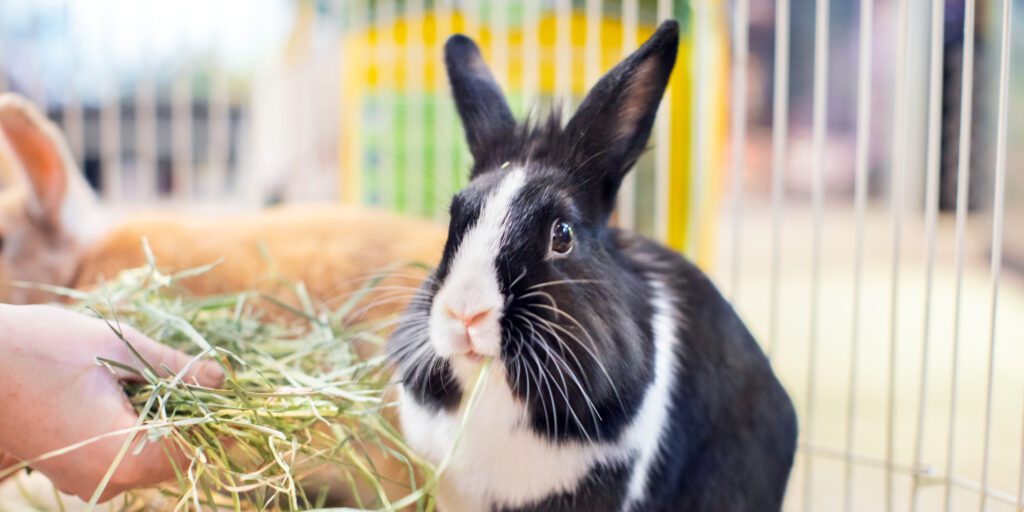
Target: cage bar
(860,193)
(145,136)
(819,138)
(626,212)
(414,91)
(931,215)
(563,54)
(663,140)
(443,185)
(183,170)
(897,184)
(998,213)
(738,136)
(962,185)
(780,134)
(110,140)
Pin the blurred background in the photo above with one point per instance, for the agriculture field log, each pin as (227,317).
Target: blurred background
(807,155)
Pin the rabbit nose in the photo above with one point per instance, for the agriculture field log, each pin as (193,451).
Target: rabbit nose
(469,316)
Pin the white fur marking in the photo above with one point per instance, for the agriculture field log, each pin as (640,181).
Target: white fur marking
(500,461)
(472,284)
(648,428)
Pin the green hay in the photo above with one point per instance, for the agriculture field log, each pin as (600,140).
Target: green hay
(297,399)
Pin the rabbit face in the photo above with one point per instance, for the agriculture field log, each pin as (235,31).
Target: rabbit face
(532,275)
(47,211)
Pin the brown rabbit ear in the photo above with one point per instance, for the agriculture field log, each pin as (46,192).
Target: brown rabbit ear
(39,148)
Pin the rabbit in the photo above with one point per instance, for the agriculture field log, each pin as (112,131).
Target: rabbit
(621,378)
(48,213)
(53,231)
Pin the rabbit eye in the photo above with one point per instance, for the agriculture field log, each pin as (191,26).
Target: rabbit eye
(561,239)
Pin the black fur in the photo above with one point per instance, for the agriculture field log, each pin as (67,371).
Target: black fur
(579,353)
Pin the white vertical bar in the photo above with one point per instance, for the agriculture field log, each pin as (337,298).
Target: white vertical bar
(963,180)
(700,136)
(531,53)
(74,127)
(592,49)
(110,139)
(998,211)
(3,67)
(415,95)
(183,177)
(563,54)
(662,148)
(145,136)
(780,134)
(219,113)
(931,215)
(499,40)
(898,179)
(471,14)
(860,206)
(443,183)
(385,25)
(627,193)
(740,49)
(819,138)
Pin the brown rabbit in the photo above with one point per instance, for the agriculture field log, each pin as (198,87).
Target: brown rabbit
(53,231)
(48,213)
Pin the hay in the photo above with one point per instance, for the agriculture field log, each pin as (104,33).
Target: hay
(298,400)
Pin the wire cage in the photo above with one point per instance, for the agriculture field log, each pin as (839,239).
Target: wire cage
(843,169)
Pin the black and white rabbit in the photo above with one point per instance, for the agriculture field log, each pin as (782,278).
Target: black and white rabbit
(622,379)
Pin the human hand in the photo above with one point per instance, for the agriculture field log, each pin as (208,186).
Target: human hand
(55,395)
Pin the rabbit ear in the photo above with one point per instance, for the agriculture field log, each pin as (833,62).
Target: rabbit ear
(39,150)
(485,114)
(611,128)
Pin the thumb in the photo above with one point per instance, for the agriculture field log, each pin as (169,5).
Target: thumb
(204,372)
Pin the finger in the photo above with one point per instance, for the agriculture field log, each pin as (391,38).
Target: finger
(204,372)
(6,461)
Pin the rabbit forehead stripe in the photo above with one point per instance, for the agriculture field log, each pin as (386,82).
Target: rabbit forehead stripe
(503,464)
(472,278)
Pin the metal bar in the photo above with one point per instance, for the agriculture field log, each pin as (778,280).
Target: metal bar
(819,138)
(471,15)
(998,213)
(860,206)
(626,211)
(110,140)
(963,181)
(219,130)
(74,125)
(592,45)
(563,54)
(931,215)
(662,146)
(702,31)
(740,50)
(898,183)
(875,462)
(414,90)
(384,20)
(531,53)
(443,178)
(499,40)
(3,67)
(145,136)
(780,134)
(183,177)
